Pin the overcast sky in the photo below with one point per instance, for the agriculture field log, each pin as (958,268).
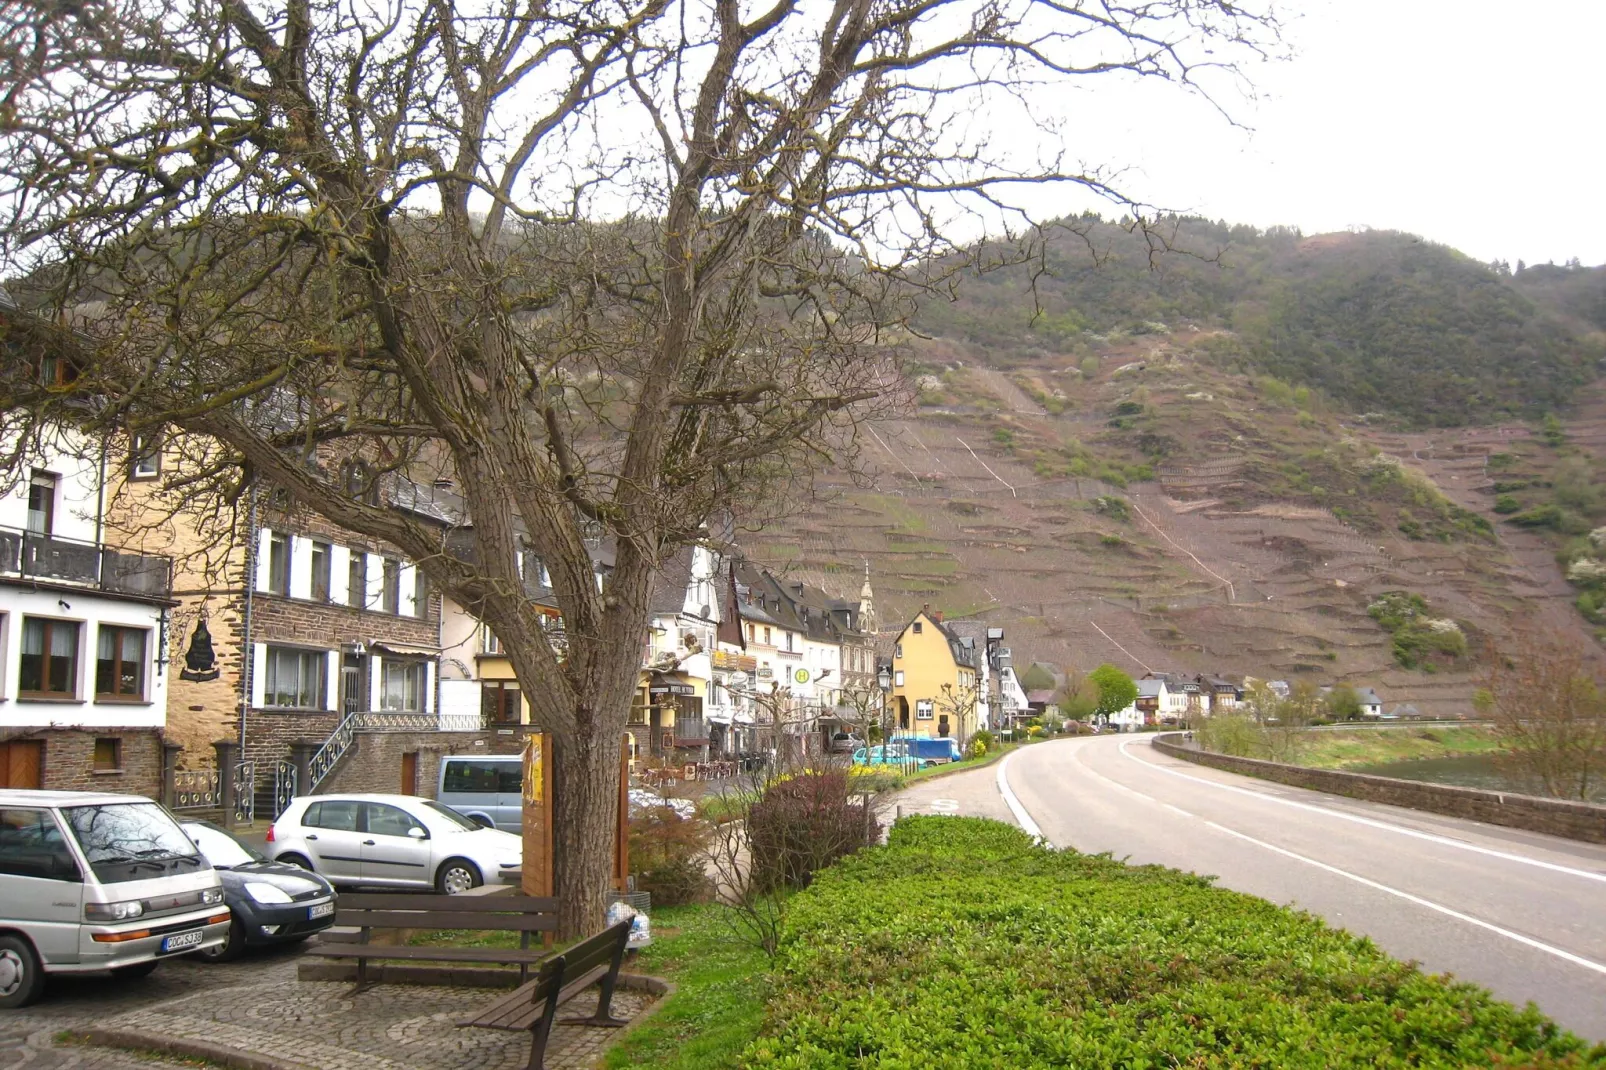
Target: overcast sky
(1472,123)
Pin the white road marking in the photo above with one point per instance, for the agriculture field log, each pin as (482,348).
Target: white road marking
(1549,949)
(1022,818)
(1445,841)
(944,806)
(1538,945)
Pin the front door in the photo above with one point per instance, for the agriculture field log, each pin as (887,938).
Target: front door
(389,854)
(409,777)
(353,683)
(44,886)
(22,764)
(333,838)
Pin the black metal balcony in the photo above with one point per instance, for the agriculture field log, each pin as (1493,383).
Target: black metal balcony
(52,559)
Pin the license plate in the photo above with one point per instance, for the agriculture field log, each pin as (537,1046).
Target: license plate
(181,941)
(320,910)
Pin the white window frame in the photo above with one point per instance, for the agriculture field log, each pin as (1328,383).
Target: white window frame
(265,654)
(897,678)
(403,665)
(924,709)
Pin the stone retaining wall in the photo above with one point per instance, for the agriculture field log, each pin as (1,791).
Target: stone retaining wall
(1558,817)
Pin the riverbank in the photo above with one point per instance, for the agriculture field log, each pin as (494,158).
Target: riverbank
(1371,747)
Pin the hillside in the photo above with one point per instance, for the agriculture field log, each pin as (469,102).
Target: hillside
(1122,480)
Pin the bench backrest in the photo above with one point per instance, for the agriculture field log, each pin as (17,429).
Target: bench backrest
(512,913)
(581,959)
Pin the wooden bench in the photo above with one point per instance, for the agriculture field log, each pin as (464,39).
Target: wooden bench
(533,1006)
(368,912)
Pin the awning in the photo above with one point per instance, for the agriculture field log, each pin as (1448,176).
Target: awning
(405,648)
(670,684)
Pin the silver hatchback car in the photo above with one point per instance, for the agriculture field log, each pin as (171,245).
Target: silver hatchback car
(398,841)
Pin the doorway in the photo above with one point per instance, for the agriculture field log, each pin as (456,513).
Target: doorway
(22,764)
(409,773)
(353,683)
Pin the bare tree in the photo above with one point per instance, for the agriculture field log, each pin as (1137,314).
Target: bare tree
(1545,697)
(611,265)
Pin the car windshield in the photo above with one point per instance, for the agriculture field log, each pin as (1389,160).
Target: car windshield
(220,847)
(131,841)
(447,813)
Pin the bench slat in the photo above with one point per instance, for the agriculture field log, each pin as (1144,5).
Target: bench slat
(527,904)
(523,1007)
(446,919)
(379,952)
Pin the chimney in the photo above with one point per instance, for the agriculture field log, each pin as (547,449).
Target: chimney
(925,607)
(937,616)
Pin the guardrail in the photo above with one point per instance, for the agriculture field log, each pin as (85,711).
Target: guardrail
(32,555)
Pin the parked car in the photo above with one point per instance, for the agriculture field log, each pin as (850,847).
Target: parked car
(91,881)
(398,841)
(845,743)
(895,754)
(272,903)
(647,799)
(487,788)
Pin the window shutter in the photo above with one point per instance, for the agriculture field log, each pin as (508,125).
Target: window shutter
(375,681)
(339,574)
(429,687)
(375,598)
(300,567)
(331,694)
(259,673)
(407,604)
(264,538)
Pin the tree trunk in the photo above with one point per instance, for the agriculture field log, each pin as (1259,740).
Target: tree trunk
(585,777)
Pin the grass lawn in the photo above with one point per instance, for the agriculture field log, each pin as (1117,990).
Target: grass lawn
(1374,746)
(718,1005)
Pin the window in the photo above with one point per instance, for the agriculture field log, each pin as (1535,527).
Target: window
(42,503)
(278,563)
(320,571)
(923,709)
(767,637)
(390,591)
(897,650)
(506,777)
(918,627)
(360,481)
(357,581)
(144,456)
(56,371)
(401,685)
(489,643)
(295,679)
(31,845)
(750,631)
(49,658)
(120,663)
(108,755)
(499,702)
(339,816)
(390,820)
(897,678)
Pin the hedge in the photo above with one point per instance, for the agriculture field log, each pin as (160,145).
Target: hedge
(962,943)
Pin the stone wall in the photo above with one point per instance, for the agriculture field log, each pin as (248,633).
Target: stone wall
(375,761)
(1557,817)
(69,759)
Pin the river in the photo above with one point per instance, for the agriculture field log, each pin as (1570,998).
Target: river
(1488,771)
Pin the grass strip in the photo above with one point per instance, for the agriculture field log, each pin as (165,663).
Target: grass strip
(963,945)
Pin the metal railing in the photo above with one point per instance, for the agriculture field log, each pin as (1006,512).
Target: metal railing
(197,789)
(50,557)
(326,757)
(245,792)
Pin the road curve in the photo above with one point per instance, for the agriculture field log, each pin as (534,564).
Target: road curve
(1520,913)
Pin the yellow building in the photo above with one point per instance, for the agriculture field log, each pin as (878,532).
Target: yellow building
(934,680)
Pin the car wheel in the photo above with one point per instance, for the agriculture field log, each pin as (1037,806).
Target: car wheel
(232,947)
(21,976)
(457,875)
(136,971)
(295,860)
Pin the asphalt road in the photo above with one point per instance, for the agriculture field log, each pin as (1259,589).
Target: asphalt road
(1520,913)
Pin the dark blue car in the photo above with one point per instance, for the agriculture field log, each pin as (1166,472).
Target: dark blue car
(272,903)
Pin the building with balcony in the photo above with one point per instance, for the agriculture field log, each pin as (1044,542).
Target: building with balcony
(84,624)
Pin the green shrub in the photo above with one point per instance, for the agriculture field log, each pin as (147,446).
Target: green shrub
(1540,516)
(1505,503)
(963,944)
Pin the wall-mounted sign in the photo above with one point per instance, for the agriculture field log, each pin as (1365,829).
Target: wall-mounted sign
(801,676)
(672,689)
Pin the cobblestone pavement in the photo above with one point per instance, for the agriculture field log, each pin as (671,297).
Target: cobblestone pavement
(258,1006)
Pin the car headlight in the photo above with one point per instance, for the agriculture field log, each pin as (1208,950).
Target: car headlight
(267,894)
(133,908)
(212,895)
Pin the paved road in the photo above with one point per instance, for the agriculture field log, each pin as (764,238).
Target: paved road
(1521,913)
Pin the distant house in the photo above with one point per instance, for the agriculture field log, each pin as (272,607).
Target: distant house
(1178,697)
(1371,704)
(1403,712)
(1220,693)
(1041,703)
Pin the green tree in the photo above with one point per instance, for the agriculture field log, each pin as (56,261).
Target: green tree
(1116,689)
(1078,700)
(1343,704)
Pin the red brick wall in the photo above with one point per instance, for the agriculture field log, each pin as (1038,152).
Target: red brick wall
(1558,817)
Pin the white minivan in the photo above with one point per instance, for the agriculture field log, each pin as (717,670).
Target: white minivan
(90,881)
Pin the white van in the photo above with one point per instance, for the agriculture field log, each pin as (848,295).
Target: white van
(487,788)
(90,881)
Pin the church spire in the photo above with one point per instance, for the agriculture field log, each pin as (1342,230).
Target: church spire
(867,621)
